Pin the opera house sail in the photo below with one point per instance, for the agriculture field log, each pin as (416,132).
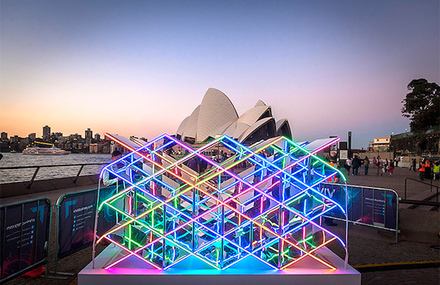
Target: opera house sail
(217,116)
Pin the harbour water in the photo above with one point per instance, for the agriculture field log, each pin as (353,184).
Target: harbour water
(18,159)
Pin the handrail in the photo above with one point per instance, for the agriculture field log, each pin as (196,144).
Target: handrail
(429,184)
(37,168)
(51,165)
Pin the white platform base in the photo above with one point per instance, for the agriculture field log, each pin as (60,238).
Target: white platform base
(193,272)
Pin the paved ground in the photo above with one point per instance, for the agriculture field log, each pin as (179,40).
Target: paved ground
(365,245)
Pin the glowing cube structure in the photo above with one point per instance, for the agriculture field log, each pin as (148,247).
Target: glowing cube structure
(261,201)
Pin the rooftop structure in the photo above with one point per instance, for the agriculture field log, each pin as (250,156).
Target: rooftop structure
(380,143)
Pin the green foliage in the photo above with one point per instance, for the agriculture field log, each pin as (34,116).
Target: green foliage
(422,104)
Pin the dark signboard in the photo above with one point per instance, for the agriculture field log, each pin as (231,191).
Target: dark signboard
(76,220)
(24,235)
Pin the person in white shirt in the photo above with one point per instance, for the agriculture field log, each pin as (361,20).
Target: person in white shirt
(348,165)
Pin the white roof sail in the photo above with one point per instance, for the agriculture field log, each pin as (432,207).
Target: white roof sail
(182,126)
(280,123)
(251,116)
(260,103)
(253,128)
(283,128)
(223,129)
(216,110)
(190,129)
(240,129)
(231,129)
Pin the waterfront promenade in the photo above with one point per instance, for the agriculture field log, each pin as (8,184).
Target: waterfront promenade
(365,246)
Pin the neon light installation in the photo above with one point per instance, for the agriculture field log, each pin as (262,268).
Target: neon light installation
(220,203)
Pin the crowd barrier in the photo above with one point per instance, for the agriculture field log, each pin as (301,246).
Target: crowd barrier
(369,206)
(24,236)
(76,220)
(25,229)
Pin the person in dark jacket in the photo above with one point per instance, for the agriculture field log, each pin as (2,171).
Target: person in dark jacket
(356,165)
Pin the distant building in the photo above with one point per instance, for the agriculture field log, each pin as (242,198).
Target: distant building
(93,148)
(104,146)
(4,136)
(58,135)
(74,137)
(381,144)
(88,134)
(88,137)
(97,137)
(15,139)
(23,143)
(46,133)
(32,136)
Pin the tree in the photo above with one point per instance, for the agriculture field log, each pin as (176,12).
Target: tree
(422,104)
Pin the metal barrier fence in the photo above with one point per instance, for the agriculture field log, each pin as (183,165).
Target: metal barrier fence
(76,221)
(368,206)
(24,236)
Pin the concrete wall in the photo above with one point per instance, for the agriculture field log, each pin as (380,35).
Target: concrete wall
(382,154)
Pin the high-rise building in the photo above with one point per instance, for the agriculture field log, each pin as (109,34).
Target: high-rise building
(32,136)
(97,137)
(46,133)
(4,136)
(89,134)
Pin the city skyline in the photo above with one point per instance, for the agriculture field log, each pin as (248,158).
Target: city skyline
(51,132)
(140,68)
(73,142)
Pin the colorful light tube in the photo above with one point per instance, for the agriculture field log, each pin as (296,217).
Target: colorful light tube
(270,213)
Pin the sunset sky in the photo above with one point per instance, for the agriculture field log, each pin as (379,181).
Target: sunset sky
(140,67)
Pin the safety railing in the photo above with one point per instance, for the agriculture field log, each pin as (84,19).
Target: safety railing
(427,200)
(38,167)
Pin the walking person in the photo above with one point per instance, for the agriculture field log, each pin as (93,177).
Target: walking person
(381,166)
(391,167)
(422,170)
(414,165)
(385,165)
(374,161)
(366,164)
(356,164)
(378,162)
(348,165)
(427,169)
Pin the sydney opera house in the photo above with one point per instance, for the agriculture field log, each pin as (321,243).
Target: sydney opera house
(216,116)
